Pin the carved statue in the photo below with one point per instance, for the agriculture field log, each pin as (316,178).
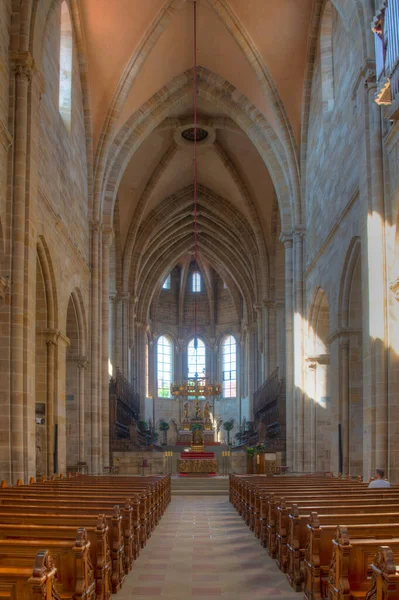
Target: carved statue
(207,414)
(186,411)
(198,411)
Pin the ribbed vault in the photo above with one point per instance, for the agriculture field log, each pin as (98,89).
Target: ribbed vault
(226,241)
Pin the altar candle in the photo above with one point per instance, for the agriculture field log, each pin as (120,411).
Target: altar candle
(257,459)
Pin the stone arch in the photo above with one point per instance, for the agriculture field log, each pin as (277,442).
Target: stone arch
(231,101)
(76,360)
(350,323)
(46,373)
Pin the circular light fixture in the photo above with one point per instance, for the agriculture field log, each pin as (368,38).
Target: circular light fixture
(189,134)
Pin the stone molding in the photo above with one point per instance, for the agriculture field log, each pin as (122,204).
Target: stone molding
(23,65)
(317,359)
(6,139)
(4,285)
(286,239)
(342,333)
(394,287)
(367,77)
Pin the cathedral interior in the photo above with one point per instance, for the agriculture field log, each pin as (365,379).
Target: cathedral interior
(222,211)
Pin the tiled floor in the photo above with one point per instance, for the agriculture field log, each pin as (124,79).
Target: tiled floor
(203,549)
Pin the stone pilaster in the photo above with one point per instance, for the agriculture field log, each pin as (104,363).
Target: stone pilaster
(286,239)
(51,341)
(124,300)
(95,344)
(107,240)
(82,363)
(375,400)
(310,416)
(23,67)
(298,332)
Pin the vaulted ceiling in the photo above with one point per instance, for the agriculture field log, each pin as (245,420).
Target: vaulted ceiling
(137,52)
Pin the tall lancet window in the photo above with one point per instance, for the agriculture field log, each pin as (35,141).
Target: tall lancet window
(326,58)
(229,362)
(196,358)
(164,366)
(66,53)
(196,282)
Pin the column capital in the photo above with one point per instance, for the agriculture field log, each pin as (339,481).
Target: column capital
(299,232)
(366,78)
(82,362)
(394,287)
(286,239)
(342,334)
(95,226)
(50,336)
(23,65)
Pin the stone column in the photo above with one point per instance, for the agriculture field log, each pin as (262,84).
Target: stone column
(298,348)
(371,185)
(289,370)
(95,342)
(267,346)
(279,320)
(107,240)
(140,360)
(112,333)
(82,362)
(23,67)
(51,341)
(124,300)
(310,417)
(344,385)
(261,345)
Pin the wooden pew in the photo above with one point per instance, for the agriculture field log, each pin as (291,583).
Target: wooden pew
(75,575)
(21,582)
(385,576)
(114,533)
(298,534)
(350,568)
(318,549)
(99,546)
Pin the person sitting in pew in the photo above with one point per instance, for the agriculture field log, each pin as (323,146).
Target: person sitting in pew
(379,481)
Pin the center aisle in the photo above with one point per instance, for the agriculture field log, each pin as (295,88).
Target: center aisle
(202,549)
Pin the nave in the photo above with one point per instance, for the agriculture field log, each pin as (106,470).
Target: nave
(202,549)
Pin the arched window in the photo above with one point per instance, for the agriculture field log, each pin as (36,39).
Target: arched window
(66,52)
(326,58)
(229,362)
(164,366)
(166,283)
(196,282)
(196,359)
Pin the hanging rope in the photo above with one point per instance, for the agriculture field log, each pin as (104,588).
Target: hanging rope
(195,178)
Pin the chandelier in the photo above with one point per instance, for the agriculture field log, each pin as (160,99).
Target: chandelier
(195,387)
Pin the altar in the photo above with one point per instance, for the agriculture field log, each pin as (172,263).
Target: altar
(196,461)
(200,418)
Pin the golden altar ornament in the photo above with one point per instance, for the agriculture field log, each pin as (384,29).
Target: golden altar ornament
(196,387)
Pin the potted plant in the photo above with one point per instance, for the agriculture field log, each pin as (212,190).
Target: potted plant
(143,426)
(250,460)
(228,426)
(164,427)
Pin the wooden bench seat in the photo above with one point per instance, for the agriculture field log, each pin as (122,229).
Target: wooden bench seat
(99,546)
(385,576)
(28,580)
(75,575)
(318,549)
(115,537)
(350,568)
